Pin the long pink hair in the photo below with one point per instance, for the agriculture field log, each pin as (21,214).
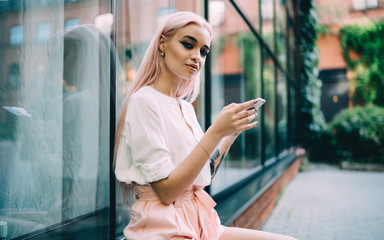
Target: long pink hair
(151,65)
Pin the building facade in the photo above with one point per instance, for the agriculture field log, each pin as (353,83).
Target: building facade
(333,69)
(64,69)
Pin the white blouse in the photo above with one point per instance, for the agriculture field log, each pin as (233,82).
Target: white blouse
(156,138)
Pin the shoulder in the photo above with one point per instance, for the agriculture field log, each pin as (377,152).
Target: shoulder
(143,97)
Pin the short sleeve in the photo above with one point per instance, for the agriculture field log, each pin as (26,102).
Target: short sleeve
(147,139)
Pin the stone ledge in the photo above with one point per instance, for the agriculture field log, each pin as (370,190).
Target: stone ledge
(362,166)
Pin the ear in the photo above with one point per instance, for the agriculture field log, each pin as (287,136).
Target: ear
(162,43)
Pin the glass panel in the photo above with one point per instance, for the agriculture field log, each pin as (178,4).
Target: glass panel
(281,50)
(281,111)
(235,78)
(269,106)
(291,8)
(250,9)
(292,116)
(292,48)
(267,27)
(54,114)
(136,21)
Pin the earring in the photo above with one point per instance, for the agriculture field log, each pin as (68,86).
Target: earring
(162,54)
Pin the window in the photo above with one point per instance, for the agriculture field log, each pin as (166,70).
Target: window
(71,22)
(16,36)
(359,5)
(251,11)
(269,107)
(267,9)
(216,14)
(236,78)
(43,34)
(280,28)
(55,142)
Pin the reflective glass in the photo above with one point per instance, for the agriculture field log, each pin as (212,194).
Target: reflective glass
(269,106)
(291,66)
(267,27)
(54,114)
(281,111)
(250,8)
(292,115)
(235,78)
(281,23)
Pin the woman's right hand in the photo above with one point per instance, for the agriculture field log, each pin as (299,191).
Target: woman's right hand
(234,118)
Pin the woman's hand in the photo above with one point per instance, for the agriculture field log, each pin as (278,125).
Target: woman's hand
(233,119)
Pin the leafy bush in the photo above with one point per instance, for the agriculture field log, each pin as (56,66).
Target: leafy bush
(358,134)
(363,48)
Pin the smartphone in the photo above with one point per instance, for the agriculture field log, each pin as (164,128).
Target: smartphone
(259,103)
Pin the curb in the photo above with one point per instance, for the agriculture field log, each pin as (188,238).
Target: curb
(372,167)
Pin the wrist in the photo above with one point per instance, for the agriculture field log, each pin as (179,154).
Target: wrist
(213,134)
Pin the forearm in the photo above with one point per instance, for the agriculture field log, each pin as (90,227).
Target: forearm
(219,154)
(186,172)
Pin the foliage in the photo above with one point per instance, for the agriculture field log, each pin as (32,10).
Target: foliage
(311,122)
(358,134)
(363,49)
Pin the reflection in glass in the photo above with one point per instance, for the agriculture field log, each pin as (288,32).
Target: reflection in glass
(281,111)
(267,26)
(269,106)
(43,34)
(16,35)
(71,22)
(250,8)
(281,23)
(54,114)
(235,78)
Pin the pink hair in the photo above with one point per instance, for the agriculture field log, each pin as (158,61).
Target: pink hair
(151,65)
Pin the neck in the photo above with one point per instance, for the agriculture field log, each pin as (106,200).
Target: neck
(167,85)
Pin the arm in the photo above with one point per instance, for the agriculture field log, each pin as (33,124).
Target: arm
(220,152)
(231,120)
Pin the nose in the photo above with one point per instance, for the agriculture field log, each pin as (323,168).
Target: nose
(195,56)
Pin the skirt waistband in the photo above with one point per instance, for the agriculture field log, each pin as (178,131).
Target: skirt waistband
(146,193)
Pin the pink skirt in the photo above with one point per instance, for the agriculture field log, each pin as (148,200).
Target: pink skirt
(191,216)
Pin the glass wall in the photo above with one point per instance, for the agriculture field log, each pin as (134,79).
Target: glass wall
(58,60)
(54,112)
(235,77)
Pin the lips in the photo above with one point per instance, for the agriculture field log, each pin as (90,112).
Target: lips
(193,67)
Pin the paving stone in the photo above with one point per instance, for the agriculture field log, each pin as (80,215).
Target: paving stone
(328,203)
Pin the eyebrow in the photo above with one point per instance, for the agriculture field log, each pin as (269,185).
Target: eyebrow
(195,40)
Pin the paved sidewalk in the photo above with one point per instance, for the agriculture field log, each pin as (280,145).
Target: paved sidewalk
(331,204)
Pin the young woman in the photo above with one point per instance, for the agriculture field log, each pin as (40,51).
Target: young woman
(161,150)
